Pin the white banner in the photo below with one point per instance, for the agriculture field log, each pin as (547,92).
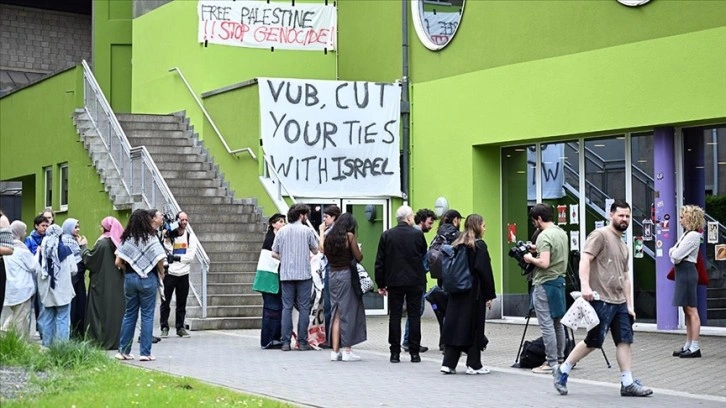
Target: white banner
(259,24)
(553,171)
(332,139)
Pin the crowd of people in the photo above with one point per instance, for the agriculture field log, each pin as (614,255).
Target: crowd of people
(45,271)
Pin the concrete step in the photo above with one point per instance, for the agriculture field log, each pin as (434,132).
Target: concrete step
(160,139)
(219,208)
(229,289)
(160,151)
(184,166)
(231,246)
(188,174)
(201,192)
(223,267)
(234,311)
(128,126)
(237,236)
(225,323)
(179,159)
(246,277)
(185,201)
(244,218)
(225,256)
(186,183)
(140,117)
(252,299)
(251,227)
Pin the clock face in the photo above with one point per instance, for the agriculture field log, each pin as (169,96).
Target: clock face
(633,3)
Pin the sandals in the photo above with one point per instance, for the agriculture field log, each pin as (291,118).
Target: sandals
(122,356)
(147,358)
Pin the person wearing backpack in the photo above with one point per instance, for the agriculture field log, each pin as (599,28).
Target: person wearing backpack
(463,329)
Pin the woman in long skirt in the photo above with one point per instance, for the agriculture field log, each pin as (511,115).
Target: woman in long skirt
(348,327)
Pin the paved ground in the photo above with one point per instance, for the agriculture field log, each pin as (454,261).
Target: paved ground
(233,359)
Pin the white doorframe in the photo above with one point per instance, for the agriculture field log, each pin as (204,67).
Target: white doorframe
(385,216)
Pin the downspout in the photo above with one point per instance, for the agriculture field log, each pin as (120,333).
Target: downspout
(405,105)
(714,140)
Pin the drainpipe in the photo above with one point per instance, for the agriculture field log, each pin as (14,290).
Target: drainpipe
(714,140)
(405,106)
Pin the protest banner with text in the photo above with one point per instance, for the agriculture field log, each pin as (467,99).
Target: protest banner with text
(259,24)
(332,138)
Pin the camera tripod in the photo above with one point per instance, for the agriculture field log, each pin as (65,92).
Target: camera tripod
(569,333)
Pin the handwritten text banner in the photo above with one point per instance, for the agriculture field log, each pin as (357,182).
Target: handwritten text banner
(332,138)
(258,24)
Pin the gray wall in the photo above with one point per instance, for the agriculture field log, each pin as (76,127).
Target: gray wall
(142,7)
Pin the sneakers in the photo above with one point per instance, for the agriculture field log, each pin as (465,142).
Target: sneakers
(285,347)
(336,356)
(447,370)
(421,349)
(543,369)
(304,347)
(415,358)
(182,332)
(634,390)
(560,381)
(395,357)
(349,356)
(472,371)
(165,332)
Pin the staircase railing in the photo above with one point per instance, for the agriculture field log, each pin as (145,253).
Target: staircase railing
(234,153)
(138,173)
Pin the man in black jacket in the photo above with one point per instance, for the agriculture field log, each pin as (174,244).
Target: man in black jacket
(400,275)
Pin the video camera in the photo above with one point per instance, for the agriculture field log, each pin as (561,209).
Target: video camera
(517,252)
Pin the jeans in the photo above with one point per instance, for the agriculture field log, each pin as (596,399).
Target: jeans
(553,333)
(55,324)
(181,284)
(296,293)
(140,293)
(405,333)
(396,296)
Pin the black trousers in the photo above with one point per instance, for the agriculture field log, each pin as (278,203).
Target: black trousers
(3,281)
(181,285)
(452,354)
(78,308)
(412,296)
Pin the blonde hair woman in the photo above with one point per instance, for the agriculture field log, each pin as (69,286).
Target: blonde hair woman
(684,256)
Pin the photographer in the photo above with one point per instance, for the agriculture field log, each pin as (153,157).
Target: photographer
(182,244)
(548,280)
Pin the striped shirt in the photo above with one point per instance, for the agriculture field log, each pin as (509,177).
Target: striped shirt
(293,243)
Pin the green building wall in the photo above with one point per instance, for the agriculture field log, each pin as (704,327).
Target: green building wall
(112,51)
(38,132)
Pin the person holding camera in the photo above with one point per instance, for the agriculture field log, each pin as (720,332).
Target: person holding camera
(548,280)
(180,243)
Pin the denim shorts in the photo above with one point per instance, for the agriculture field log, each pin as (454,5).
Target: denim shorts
(613,317)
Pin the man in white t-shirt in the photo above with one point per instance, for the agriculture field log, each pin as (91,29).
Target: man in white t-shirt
(183,244)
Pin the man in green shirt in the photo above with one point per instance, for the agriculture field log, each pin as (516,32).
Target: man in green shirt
(549,284)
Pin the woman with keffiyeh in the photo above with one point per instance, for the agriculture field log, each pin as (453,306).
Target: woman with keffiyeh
(141,257)
(106,303)
(77,243)
(55,288)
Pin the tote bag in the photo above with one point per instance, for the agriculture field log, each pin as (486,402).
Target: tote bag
(267,279)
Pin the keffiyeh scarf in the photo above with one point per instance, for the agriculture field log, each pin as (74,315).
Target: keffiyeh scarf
(54,252)
(141,256)
(70,240)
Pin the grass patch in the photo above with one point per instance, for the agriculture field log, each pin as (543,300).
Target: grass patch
(80,375)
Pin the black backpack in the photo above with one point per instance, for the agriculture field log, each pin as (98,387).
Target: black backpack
(533,353)
(455,272)
(433,256)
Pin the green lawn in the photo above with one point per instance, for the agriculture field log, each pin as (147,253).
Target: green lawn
(82,376)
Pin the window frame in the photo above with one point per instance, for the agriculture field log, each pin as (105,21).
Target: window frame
(63,186)
(48,186)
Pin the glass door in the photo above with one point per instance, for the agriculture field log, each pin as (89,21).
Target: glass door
(372,217)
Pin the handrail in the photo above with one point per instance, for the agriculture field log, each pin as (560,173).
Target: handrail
(111,134)
(209,118)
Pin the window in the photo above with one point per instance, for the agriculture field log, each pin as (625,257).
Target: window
(48,176)
(63,186)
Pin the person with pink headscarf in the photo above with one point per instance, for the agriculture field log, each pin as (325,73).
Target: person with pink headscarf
(106,301)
